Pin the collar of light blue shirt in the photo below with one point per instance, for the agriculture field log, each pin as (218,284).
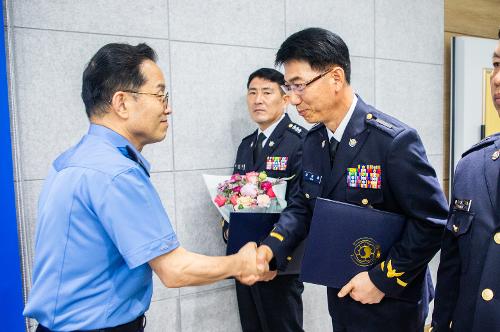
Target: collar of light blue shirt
(116,140)
(343,124)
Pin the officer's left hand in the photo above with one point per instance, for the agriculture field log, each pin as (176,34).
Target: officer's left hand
(362,289)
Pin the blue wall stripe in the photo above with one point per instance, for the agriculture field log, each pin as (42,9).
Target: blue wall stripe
(11,303)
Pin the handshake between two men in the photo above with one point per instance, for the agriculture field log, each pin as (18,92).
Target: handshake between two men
(180,267)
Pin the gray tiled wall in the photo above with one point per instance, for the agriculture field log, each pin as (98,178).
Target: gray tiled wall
(207,50)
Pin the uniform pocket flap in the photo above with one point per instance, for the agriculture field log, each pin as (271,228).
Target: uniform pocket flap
(362,196)
(459,222)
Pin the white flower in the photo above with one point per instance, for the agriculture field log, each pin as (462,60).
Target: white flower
(249,189)
(263,201)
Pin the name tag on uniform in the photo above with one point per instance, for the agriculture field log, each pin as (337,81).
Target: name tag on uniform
(311,177)
(462,204)
(276,163)
(364,176)
(240,167)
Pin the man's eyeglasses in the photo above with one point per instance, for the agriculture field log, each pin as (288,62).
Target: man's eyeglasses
(163,97)
(299,88)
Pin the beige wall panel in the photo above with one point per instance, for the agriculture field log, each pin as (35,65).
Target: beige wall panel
(479,18)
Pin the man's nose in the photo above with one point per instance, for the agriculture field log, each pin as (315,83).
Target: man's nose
(495,79)
(258,98)
(295,99)
(168,109)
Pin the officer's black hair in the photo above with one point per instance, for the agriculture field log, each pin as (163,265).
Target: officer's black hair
(268,74)
(498,33)
(318,47)
(113,68)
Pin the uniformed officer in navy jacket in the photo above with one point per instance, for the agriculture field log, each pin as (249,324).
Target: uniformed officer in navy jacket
(468,283)
(275,147)
(394,295)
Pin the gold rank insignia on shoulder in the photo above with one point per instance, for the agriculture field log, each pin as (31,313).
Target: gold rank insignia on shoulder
(495,155)
(462,204)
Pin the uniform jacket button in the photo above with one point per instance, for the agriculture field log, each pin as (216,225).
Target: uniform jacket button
(496,238)
(487,294)
(307,195)
(364,201)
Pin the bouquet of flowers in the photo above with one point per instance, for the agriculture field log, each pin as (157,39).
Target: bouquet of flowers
(252,192)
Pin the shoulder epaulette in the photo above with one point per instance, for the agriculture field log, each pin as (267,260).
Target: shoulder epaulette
(296,129)
(482,144)
(385,125)
(316,127)
(249,136)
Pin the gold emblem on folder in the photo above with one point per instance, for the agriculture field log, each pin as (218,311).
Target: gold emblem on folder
(366,251)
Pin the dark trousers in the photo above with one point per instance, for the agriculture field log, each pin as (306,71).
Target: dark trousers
(136,325)
(390,315)
(271,306)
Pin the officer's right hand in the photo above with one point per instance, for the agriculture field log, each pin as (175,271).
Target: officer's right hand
(247,257)
(264,256)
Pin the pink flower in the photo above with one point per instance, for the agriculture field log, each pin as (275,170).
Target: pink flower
(220,200)
(271,193)
(263,201)
(266,185)
(234,199)
(235,177)
(249,190)
(252,177)
(236,189)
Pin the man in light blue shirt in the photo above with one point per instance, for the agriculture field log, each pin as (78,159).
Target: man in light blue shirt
(101,226)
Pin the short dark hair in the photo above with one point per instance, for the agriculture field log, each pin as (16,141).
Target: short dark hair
(268,74)
(113,68)
(498,33)
(318,47)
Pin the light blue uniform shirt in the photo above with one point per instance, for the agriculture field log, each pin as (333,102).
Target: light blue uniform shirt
(99,223)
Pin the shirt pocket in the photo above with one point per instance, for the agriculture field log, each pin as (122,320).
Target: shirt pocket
(364,196)
(459,224)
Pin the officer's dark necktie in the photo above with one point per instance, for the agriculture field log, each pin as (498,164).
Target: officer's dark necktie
(258,147)
(333,149)
(130,154)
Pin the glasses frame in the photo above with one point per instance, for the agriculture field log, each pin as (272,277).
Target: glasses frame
(299,88)
(163,97)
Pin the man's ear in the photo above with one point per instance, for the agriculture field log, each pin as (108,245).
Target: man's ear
(119,103)
(338,76)
(286,99)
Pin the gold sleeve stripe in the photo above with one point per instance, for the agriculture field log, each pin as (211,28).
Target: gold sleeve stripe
(278,236)
(401,282)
